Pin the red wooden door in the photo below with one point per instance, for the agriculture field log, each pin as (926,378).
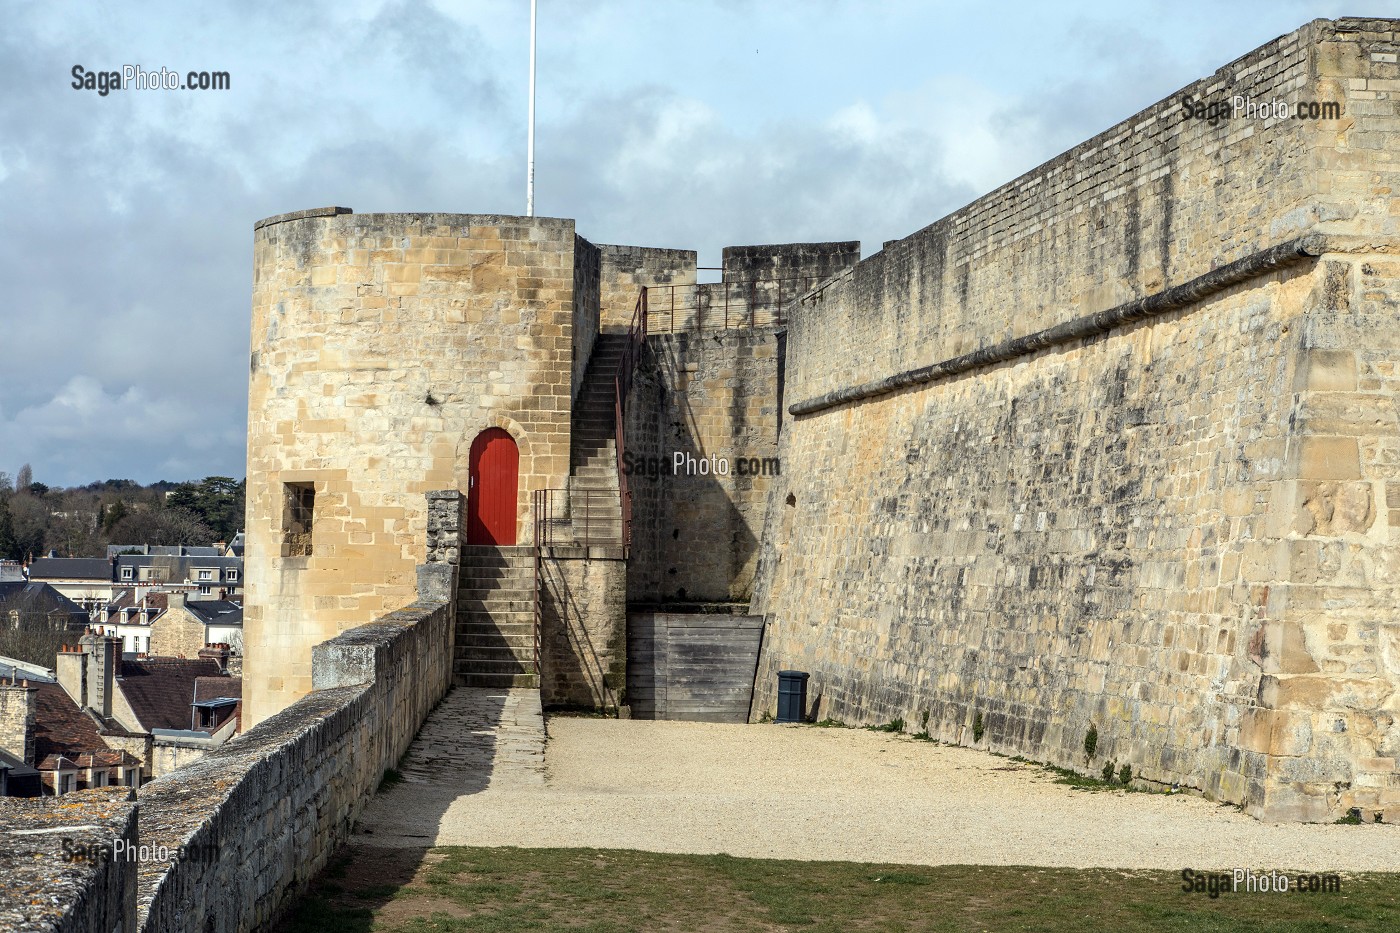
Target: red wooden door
(495,477)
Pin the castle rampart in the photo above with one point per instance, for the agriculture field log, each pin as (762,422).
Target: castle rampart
(1114,446)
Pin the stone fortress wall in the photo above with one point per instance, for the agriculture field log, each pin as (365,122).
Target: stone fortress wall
(1117,446)
(713,394)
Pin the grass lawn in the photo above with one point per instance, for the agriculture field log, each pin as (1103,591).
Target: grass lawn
(611,891)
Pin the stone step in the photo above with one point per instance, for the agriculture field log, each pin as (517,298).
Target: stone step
(488,644)
(495,605)
(516,558)
(506,665)
(467,591)
(596,512)
(477,573)
(500,621)
(498,681)
(601,472)
(503,631)
(593,492)
(497,663)
(486,587)
(517,576)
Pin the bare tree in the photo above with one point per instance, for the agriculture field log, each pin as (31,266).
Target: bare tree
(162,526)
(24,478)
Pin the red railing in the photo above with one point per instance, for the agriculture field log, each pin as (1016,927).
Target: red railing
(540,506)
(724,305)
(622,385)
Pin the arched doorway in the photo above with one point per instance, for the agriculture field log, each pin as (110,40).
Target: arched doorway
(493,486)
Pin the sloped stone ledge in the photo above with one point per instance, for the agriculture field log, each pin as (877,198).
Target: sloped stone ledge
(1175,298)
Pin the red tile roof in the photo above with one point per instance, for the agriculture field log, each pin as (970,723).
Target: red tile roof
(61,728)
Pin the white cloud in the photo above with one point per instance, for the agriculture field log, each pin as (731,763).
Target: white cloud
(696,125)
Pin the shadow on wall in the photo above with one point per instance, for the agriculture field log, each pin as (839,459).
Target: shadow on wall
(692,540)
(576,670)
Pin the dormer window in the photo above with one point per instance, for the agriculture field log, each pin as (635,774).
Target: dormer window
(127,573)
(206,575)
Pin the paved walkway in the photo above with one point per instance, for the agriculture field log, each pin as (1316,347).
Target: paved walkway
(804,793)
(477,739)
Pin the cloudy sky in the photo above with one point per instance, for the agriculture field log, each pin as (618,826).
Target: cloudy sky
(128,218)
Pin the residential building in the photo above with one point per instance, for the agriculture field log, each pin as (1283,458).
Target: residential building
(85,580)
(208,575)
(39,604)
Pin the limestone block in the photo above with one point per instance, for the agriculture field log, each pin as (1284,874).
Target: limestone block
(1333,509)
(1323,457)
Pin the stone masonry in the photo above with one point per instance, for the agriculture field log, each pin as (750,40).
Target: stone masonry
(1115,446)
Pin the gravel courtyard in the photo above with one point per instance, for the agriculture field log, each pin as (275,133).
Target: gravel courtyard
(800,792)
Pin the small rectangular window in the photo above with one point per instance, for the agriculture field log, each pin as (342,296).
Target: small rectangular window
(233,576)
(126,573)
(206,575)
(298,517)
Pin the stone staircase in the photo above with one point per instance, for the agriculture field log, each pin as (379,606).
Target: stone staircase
(594,507)
(496,618)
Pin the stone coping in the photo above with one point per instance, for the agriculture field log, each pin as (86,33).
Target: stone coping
(39,889)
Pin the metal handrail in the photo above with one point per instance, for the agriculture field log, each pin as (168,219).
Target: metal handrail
(582,507)
(727,305)
(622,385)
(540,498)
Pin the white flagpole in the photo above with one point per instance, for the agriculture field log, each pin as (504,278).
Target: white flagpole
(530,145)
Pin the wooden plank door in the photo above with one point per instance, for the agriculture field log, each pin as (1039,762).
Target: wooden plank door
(495,480)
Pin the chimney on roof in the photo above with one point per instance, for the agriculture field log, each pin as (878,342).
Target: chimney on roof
(17,704)
(217,653)
(103,657)
(71,671)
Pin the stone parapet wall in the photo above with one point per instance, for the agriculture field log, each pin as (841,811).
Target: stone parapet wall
(586,320)
(1126,214)
(626,270)
(1172,528)
(268,808)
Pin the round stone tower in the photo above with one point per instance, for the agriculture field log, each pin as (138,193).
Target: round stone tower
(382,346)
